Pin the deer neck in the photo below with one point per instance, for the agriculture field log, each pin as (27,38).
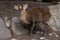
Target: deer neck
(23,16)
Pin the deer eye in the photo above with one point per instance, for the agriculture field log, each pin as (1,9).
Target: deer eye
(21,7)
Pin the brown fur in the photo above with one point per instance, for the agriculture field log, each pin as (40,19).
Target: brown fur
(38,14)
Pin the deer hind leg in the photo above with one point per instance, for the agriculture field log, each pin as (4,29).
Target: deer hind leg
(37,27)
(40,27)
(47,29)
(43,28)
(50,31)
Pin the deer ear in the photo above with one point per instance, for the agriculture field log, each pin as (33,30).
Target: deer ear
(16,7)
(25,6)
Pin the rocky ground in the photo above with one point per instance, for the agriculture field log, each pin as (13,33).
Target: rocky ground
(36,37)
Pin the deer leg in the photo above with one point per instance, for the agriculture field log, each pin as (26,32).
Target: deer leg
(41,28)
(32,28)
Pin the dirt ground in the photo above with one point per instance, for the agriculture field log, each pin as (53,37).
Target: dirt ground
(36,37)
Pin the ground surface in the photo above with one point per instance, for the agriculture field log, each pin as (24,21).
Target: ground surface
(36,37)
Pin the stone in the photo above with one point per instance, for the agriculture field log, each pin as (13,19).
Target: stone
(4,32)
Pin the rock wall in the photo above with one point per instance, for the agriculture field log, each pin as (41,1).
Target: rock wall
(55,20)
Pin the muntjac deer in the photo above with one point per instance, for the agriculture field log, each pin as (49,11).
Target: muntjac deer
(35,18)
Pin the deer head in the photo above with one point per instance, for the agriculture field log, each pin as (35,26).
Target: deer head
(21,7)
